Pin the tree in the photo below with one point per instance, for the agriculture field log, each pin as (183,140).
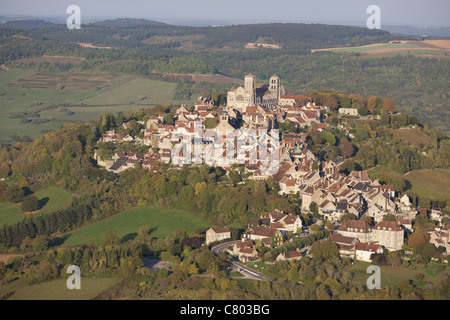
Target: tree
(40,243)
(362,110)
(389,105)
(144,230)
(346,148)
(211,123)
(30,203)
(329,137)
(15,194)
(313,208)
(388,217)
(324,250)
(179,234)
(234,177)
(371,103)
(5,170)
(417,238)
(106,122)
(347,216)
(110,237)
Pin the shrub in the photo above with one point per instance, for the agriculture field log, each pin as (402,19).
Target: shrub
(30,203)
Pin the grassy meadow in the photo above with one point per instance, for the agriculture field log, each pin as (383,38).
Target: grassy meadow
(428,183)
(50,199)
(390,276)
(162,222)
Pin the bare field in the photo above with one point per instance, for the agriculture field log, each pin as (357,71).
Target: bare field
(90,45)
(411,135)
(251,45)
(425,47)
(213,78)
(62,81)
(5,257)
(50,60)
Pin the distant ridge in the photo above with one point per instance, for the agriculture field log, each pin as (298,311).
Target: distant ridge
(127,22)
(26,24)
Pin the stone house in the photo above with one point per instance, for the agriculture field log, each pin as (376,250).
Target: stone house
(217,234)
(359,229)
(388,234)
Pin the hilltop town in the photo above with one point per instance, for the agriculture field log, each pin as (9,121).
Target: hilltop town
(363,216)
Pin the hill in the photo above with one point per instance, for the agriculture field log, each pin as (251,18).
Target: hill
(126,22)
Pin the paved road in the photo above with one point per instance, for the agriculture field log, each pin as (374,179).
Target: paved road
(246,271)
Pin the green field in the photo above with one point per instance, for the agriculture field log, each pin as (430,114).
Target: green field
(162,222)
(57,289)
(135,91)
(51,199)
(432,184)
(390,276)
(121,93)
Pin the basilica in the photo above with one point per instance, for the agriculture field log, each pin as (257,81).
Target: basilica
(266,94)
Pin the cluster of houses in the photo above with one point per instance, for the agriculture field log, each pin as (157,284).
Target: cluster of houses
(262,106)
(269,230)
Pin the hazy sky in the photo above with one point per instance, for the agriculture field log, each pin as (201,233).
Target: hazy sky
(402,12)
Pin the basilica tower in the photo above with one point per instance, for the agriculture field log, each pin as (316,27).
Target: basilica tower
(249,89)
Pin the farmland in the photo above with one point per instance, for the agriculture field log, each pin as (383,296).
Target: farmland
(33,103)
(62,81)
(162,222)
(430,48)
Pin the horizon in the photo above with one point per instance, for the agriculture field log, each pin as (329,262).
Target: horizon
(419,14)
(61,19)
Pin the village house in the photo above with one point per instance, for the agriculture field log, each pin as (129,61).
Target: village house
(388,234)
(284,222)
(439,237)
(217,234)
(245,251)
(349,111)
(289,256)
(346,245)
(359,229)
(266,235)
(364,251)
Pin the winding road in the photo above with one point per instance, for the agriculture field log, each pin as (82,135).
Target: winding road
(246,271)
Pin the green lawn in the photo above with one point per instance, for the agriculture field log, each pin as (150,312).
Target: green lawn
(390,276)
(57,289)
(162,222)
(51,199)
